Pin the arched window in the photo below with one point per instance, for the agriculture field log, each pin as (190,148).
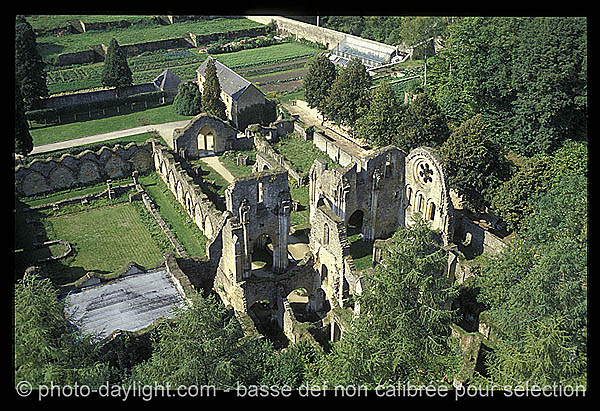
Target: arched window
(325,234)
(409,192)
(259,192)
(431,211)
(420,203)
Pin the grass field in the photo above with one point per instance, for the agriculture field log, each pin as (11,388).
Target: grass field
(52,45)
(187,232)
(63,132)
(301,153)
(105,239)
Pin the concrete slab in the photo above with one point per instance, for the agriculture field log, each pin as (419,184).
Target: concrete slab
(129,303)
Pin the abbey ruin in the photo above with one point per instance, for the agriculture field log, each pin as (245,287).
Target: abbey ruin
(254,261)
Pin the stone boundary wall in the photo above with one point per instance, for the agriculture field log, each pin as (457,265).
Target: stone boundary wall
(327,37)
(195,202)
(97,53)
(98,95)
(479,239)
(335,152)
(43,176)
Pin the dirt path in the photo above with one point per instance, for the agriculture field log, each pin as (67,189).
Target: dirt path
(213,162)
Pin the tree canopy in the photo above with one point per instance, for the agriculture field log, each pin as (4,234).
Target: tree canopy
(403,331)
(527,77)
(211,92)
(536,291)
(348,97)
(29,67)
(188,101)
(318,80)
(116,71)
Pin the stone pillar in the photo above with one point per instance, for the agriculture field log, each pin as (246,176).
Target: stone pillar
(369,230)
(280,253)
(110,190)
(244,211)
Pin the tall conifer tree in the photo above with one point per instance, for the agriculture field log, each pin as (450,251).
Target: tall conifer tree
(211,95)
(116,72)
(29,67)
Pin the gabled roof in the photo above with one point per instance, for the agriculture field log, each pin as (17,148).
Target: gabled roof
(231,83)
(166,80)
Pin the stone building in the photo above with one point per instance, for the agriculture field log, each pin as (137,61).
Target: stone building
(374,195)
(236,92)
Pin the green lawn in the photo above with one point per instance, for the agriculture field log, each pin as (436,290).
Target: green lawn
(64,132)
(50,46)
(361,251)
(185,230)
(229,161)
(105,239)
(301,153)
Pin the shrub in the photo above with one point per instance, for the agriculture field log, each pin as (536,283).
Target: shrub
(188,101)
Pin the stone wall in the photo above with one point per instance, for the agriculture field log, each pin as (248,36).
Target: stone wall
(477,238)
(207,133)
(333,150)
(268,158)
(371,187)
(190,40)
(88,167)
(327,37)
(98,95)
(196,203)
(427,192)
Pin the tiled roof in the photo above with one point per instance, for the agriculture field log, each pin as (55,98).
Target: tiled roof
(231,83)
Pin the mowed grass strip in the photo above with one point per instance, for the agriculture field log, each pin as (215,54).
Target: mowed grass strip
(107,238)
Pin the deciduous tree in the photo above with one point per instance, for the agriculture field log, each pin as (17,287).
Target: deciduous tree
(349,94)
(318,80)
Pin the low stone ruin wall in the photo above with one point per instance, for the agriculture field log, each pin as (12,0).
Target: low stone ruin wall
(43,176)
(334,151)
(196,203)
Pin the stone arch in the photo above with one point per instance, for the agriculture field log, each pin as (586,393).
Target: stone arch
(356,221)
(163,169)
(420,202)
(430,210)
(198,216)
(204,133)
(409,196)
(206,138)
(425,174)
(88,172)
(61,177)
(208,227)
(172,181)
(116,167)
(263,249)
(189,204)
(179,192)
(34,183)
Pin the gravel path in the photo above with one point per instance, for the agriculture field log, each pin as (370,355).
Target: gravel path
(165,130)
